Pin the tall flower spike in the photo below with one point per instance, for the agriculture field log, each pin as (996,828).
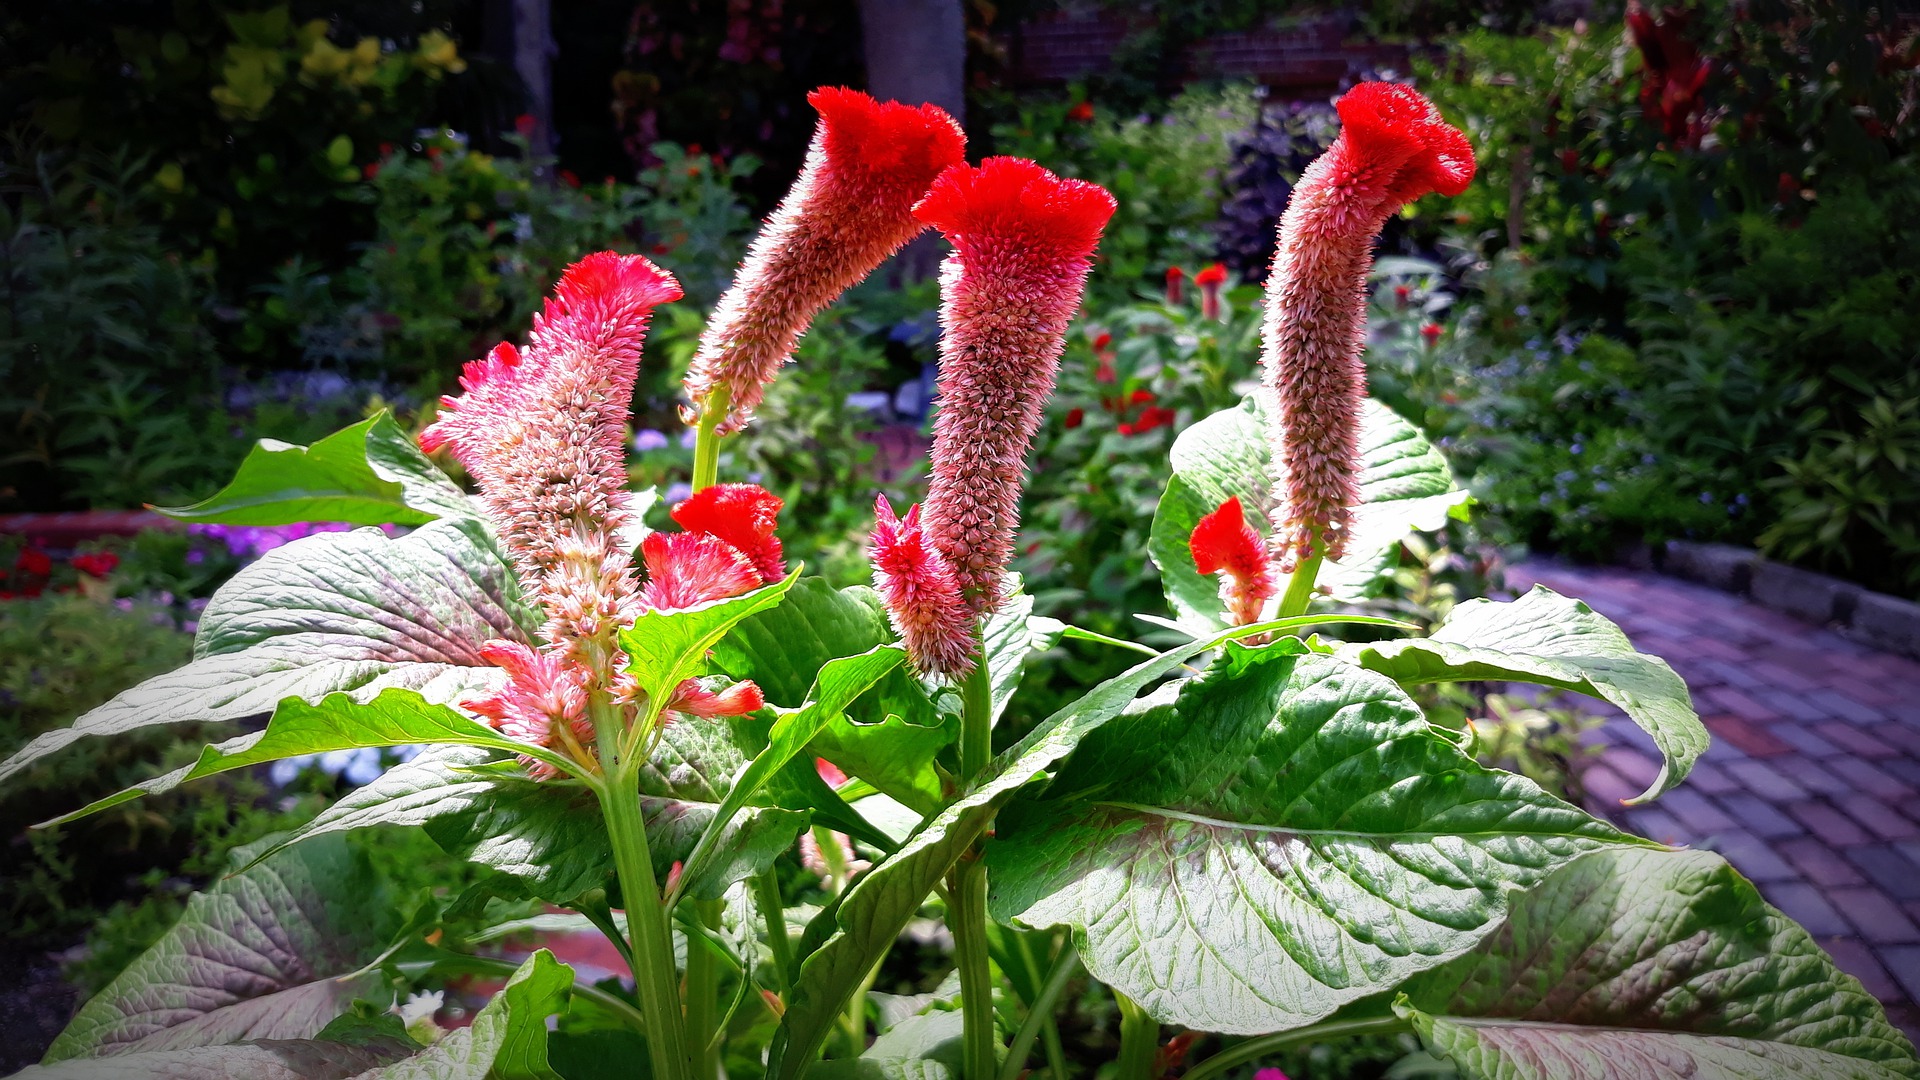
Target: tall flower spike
(1022,239)
(851,208)
(921,594)
(1223,543)
(543,432)
(1393,148)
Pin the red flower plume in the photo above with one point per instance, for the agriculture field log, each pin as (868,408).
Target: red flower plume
(921,593)
(1223,543)
(743,515)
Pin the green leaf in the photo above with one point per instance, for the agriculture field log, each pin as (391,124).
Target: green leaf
(367,474)
(337,722)
(1551,640)
(890,736)
(508,1038)
(666,647)
(356,612)
(1251,850)
(839,683)
(268,1059)
(1405,487)
(867,918)
(1011,635)
(259,955)
(1630,964)
(923,1047)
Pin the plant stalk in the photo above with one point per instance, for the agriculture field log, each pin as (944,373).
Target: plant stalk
(706,439)
(703,994)
(967,884)
(1220,1063)
(654,975)
(1040,1016)
(1300,586)
(1139,1040)
(766,896)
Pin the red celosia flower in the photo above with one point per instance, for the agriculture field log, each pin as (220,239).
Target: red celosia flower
(689,569)
(1672,76)
(921,592)
(1176,280)
(1401,294)
(1075,417)
(690,698)
(1103,370)
(1103,342)
(1081,113)
(544,434)
(851,208)
(1141,397)
(544,701)
(1022,241)
(1393,148)
(370,170)
(1152,417)
(1223,543)
(743,515)
(1210,281)
(569,178)
(33,562)
(1431,332)
(97,564)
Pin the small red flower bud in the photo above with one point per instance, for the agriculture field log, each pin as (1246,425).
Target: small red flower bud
(1075,417)
(1223,543)
(1431,332)
(1176,279)
(1081,113)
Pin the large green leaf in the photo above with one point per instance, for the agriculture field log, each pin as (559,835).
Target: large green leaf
(355,612)
(1012,634)
(1278,838)
(367,474)
(336,722)
(507,1039)
(890,736)
(866,919)
(266,1059)
(1405,487)
(666,647)
(1630,965)
(1548,639)
(259,955)
(922,1047)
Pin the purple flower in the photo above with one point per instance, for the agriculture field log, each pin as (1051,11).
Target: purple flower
(678,493)
(649,439)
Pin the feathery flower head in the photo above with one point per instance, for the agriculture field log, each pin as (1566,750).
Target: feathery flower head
(1393,148)
(851,207)
(728,548)
(692,698)
(543,432)
(544,701)
(1223,543)
(1022,240)
(921,594)
(743,515)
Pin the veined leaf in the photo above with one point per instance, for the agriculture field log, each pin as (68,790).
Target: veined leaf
(1636,965)
(1011,635)
(666,647)
(356,612)
(366,474)
(259,955)
(1405,487)
(508,1038)
(1280,837)
(865,920)
(336,722)
(922,1047)
(890,735)
(1550,640)
(265,1059)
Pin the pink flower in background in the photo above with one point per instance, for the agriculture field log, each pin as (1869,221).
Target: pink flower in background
(851,208)
(1393,148)
(1269,1073)
(1022,240)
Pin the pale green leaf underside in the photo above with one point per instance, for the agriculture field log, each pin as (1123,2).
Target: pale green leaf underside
(366,474)
(353,613)
(1551,640)
(258,955)
(1633,963)
(1282,837)
(268,1059)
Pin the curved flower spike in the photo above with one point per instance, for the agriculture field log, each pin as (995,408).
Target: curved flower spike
(543,433)
(1022,238)
(1393,148)
(1223,543)
(921,594)
(850,209)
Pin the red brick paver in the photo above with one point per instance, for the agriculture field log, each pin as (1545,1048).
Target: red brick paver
(1812,787)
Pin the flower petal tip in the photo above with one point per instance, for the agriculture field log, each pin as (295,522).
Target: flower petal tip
(910,144)
(1007,196)
(1393,122)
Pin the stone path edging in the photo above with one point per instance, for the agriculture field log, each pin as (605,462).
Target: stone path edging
(1877,619)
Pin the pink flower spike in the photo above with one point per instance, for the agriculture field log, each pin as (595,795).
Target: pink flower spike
(1393,148)
(688,569)
(921,594)
(743,515)
(693,699)
(1223,543)
(543,691)
(1022,240)
(850,209)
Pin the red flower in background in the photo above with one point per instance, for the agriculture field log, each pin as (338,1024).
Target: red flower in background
(34,563)
(1075,417)
(97,564)
(1081,113)
(1672,75)
(1176,279)
(1431,332)
(1210,282)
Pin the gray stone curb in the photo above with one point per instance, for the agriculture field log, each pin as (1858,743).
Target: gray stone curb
(1871,618)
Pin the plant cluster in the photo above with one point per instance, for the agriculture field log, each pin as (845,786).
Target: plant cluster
(1256,834)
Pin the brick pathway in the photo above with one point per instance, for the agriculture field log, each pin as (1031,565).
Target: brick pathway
(1809,788)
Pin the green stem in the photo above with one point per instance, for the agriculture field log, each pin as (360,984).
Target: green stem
(854,1018)
(653,973)
(1040,1015)
(1139,1040)
(1218,1064)
(967,910)
(1300,586)
(703,993)
(706,439)
(613,1003)
(766,895)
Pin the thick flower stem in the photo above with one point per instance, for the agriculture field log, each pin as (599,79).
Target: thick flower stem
(703,997)
(1300,586)
(654,974)
(706,440)
(766,895)
(1139,1040)
(967,911)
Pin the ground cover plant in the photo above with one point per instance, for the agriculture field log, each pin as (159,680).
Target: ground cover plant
(1254,834)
